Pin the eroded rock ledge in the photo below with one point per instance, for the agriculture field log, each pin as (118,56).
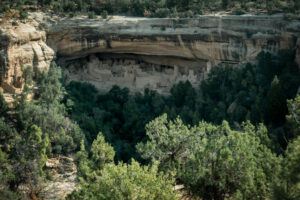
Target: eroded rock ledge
(22,46)
(140,52)
(179,48)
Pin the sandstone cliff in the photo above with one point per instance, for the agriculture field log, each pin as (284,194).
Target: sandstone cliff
(156,53)
(208,38)
(140,52)
(22,46)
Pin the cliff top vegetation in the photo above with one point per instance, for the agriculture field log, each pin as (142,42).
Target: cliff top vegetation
(147,8)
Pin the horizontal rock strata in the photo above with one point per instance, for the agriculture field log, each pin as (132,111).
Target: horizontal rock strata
(192,46)
(21,46)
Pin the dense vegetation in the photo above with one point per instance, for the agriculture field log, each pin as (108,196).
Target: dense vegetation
(31,132)
(151,8)
(236,136)
(255,92)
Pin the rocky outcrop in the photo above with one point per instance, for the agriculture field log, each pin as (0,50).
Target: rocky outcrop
(140,52)
(22,45)
(63,178)
(165,50)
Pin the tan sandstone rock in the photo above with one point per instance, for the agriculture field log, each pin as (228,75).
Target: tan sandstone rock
(22,46)
(173,49)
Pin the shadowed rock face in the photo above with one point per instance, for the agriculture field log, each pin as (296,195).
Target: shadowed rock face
(191,46)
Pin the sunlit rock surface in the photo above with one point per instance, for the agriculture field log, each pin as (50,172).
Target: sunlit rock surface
(63,173)
(22,46)
(164,51)
(140,53)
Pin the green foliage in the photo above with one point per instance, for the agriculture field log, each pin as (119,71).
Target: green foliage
(230,93)
(240,94)
(92,15)
(275,108)
(28,75)
(83,163)
(50,87)
(48,113)
(3,106)
(23,14)
(161,12)
(32,131)
(169,142)
(292,168)
(213,162)
(102,152)
(293,119)
(289,186)
(14,23)
(104,14)
(6,175)
(32,146)
(28,157)
(128,181)
(155,8)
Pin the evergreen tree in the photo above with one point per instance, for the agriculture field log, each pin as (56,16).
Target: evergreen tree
(275,104)
(3,106)
(30,155)
(289,186)
(214,162)
(102,152)
(293,118)
(128,181)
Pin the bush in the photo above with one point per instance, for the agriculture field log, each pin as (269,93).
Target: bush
(23,14)
(104,14)
(42,26)
(238,11)
(15,23)
(4,9)
(213,161)
(92,15)
(71,15)
(128,181)
(289,185)
(161,12)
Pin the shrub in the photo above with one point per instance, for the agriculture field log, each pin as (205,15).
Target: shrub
(42,26)
(213,161)
(128,181)
(161,12)
(71,15)
(23,14)
(238,11)
(104,14)
(15,23)
(92,15)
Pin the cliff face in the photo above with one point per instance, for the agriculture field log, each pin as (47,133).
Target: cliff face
(209,38)
(22,46)
(156,53)
(141,52)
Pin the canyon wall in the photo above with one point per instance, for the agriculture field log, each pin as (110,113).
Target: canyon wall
(141,53)
(22,45)
(156,53)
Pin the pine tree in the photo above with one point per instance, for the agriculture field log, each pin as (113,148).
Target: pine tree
(275,104)
(102,152)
